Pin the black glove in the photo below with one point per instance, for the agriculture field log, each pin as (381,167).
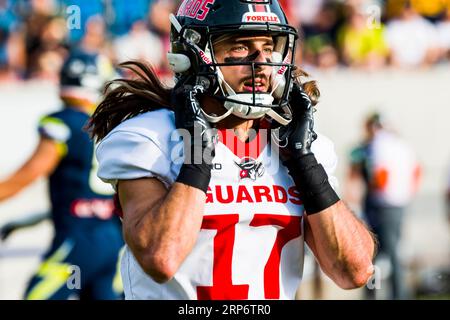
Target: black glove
(299,134)
(199,138)
(6,231)
(309,176)
(29,221)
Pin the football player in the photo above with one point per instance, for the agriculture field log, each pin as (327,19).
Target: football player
(218,216)
(82,260)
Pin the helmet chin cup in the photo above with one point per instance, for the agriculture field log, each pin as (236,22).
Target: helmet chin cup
(245,111)
(178,62)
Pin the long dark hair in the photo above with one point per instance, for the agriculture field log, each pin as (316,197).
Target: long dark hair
(126,98)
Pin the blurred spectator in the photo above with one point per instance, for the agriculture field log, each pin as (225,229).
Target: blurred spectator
(45,33)
(8,14)
(44,7)
(319,44)
(412,39)
(87,9)
(12,49)
(362,45)
(427,8)
(46,59)
(158,18)
(306,11)
(389,170)
(443,28)
(159,15)
(431,9)
(140,44)
(93,40)
(122,14)
(35,34)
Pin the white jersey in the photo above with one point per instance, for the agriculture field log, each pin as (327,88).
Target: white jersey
(395,169)
(250,245)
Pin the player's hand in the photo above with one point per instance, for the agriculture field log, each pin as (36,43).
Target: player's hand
(309,176)
(6,230)
(299,134)
(189,116)
(199,139)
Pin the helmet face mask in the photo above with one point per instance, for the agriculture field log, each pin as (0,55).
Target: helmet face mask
(246,64)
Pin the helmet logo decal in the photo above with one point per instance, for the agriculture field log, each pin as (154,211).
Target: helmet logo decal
(195,9)
(204,57)
(260,13)
(283,68)
(250,169)
(261,17)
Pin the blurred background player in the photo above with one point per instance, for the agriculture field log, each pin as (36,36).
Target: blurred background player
(87,232)
(447,196)
(388,168)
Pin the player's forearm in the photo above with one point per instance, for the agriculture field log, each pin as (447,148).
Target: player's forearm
(6,191)
(44,160)
(167,232)
(14,184)
(344,246)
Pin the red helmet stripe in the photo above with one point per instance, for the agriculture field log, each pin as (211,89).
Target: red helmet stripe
(260,7)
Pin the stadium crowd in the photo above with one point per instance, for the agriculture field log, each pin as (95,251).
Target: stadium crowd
(36,35)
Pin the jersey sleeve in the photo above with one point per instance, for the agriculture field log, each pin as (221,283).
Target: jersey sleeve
(129,155)
(55,128)
(138,149)
(323,149)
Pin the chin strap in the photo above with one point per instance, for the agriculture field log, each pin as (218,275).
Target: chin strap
(237,109)
(278,118)
(213,118)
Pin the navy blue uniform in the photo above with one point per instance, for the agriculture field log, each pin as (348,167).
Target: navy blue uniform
(83,257)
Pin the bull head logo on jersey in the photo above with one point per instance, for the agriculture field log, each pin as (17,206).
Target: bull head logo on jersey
(250,169)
